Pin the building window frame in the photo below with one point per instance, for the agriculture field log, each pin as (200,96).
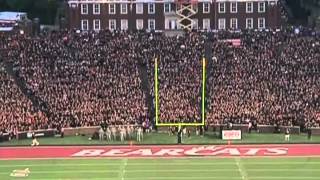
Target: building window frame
(96,22)
(233,5)
(261,7)
(84,24)
(234,21)
(139,8)
(124,24)
(150,21)
(221,23)
(261,23)
(206,24)
(96,8)
(222,7)
(249,25)
(84,9)
(112,24)
(167,7)
(151,8)
(112,8)
(123,8)
(206,7)
(139,22)
(249,10)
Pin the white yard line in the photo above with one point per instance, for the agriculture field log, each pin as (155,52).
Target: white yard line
(123,169)
(241,169)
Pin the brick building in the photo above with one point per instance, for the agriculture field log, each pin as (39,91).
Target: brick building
(173,14)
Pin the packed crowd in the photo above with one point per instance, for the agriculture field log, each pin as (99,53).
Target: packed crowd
(273,78)
(84,78)
(16,110)
(179,75)
(87,78)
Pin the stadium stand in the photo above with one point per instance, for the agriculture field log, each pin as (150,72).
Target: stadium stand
(86,78)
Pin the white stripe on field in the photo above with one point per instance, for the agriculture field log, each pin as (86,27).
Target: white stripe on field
(160,164)
(123,171)
(241,169)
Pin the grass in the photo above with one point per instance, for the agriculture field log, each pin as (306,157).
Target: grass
(167,169)
(163,138)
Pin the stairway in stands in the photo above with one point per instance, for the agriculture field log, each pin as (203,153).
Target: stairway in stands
(146,89)
(37,102)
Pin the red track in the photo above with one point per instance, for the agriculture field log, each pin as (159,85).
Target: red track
(159,151)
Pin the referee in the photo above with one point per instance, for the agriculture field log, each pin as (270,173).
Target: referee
(34,140)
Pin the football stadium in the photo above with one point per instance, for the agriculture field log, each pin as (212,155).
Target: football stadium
(160,90)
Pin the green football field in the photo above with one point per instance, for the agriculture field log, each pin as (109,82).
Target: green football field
(166,169)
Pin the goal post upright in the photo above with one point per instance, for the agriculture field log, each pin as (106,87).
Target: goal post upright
(203,91)
(156,91)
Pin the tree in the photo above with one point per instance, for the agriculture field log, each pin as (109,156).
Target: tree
(20,5)
(3,5)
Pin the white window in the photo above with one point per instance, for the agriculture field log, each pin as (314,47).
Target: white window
(112,24)
(206,7)
(139,8)
(112,8)
(123,8)
(222,23)
(206,23)
(195,24)
(96,24)
(167,7)
(139,24)
(96,8)
(261,23)
(249,7)
(124,24)
(234,23)
(249,23)
(84,25)
(151,24)
(151,8)
(84,8)
(261,7)
(222,7)
(233,7)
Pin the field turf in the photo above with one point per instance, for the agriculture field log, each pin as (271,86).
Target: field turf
(232,168)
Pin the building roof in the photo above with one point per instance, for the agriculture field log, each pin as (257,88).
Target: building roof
(11,16)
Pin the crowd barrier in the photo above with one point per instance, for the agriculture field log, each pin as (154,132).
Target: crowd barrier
(244,128)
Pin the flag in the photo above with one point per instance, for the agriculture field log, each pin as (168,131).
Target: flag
(235,42)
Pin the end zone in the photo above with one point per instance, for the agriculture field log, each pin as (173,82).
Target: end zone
(297,150)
